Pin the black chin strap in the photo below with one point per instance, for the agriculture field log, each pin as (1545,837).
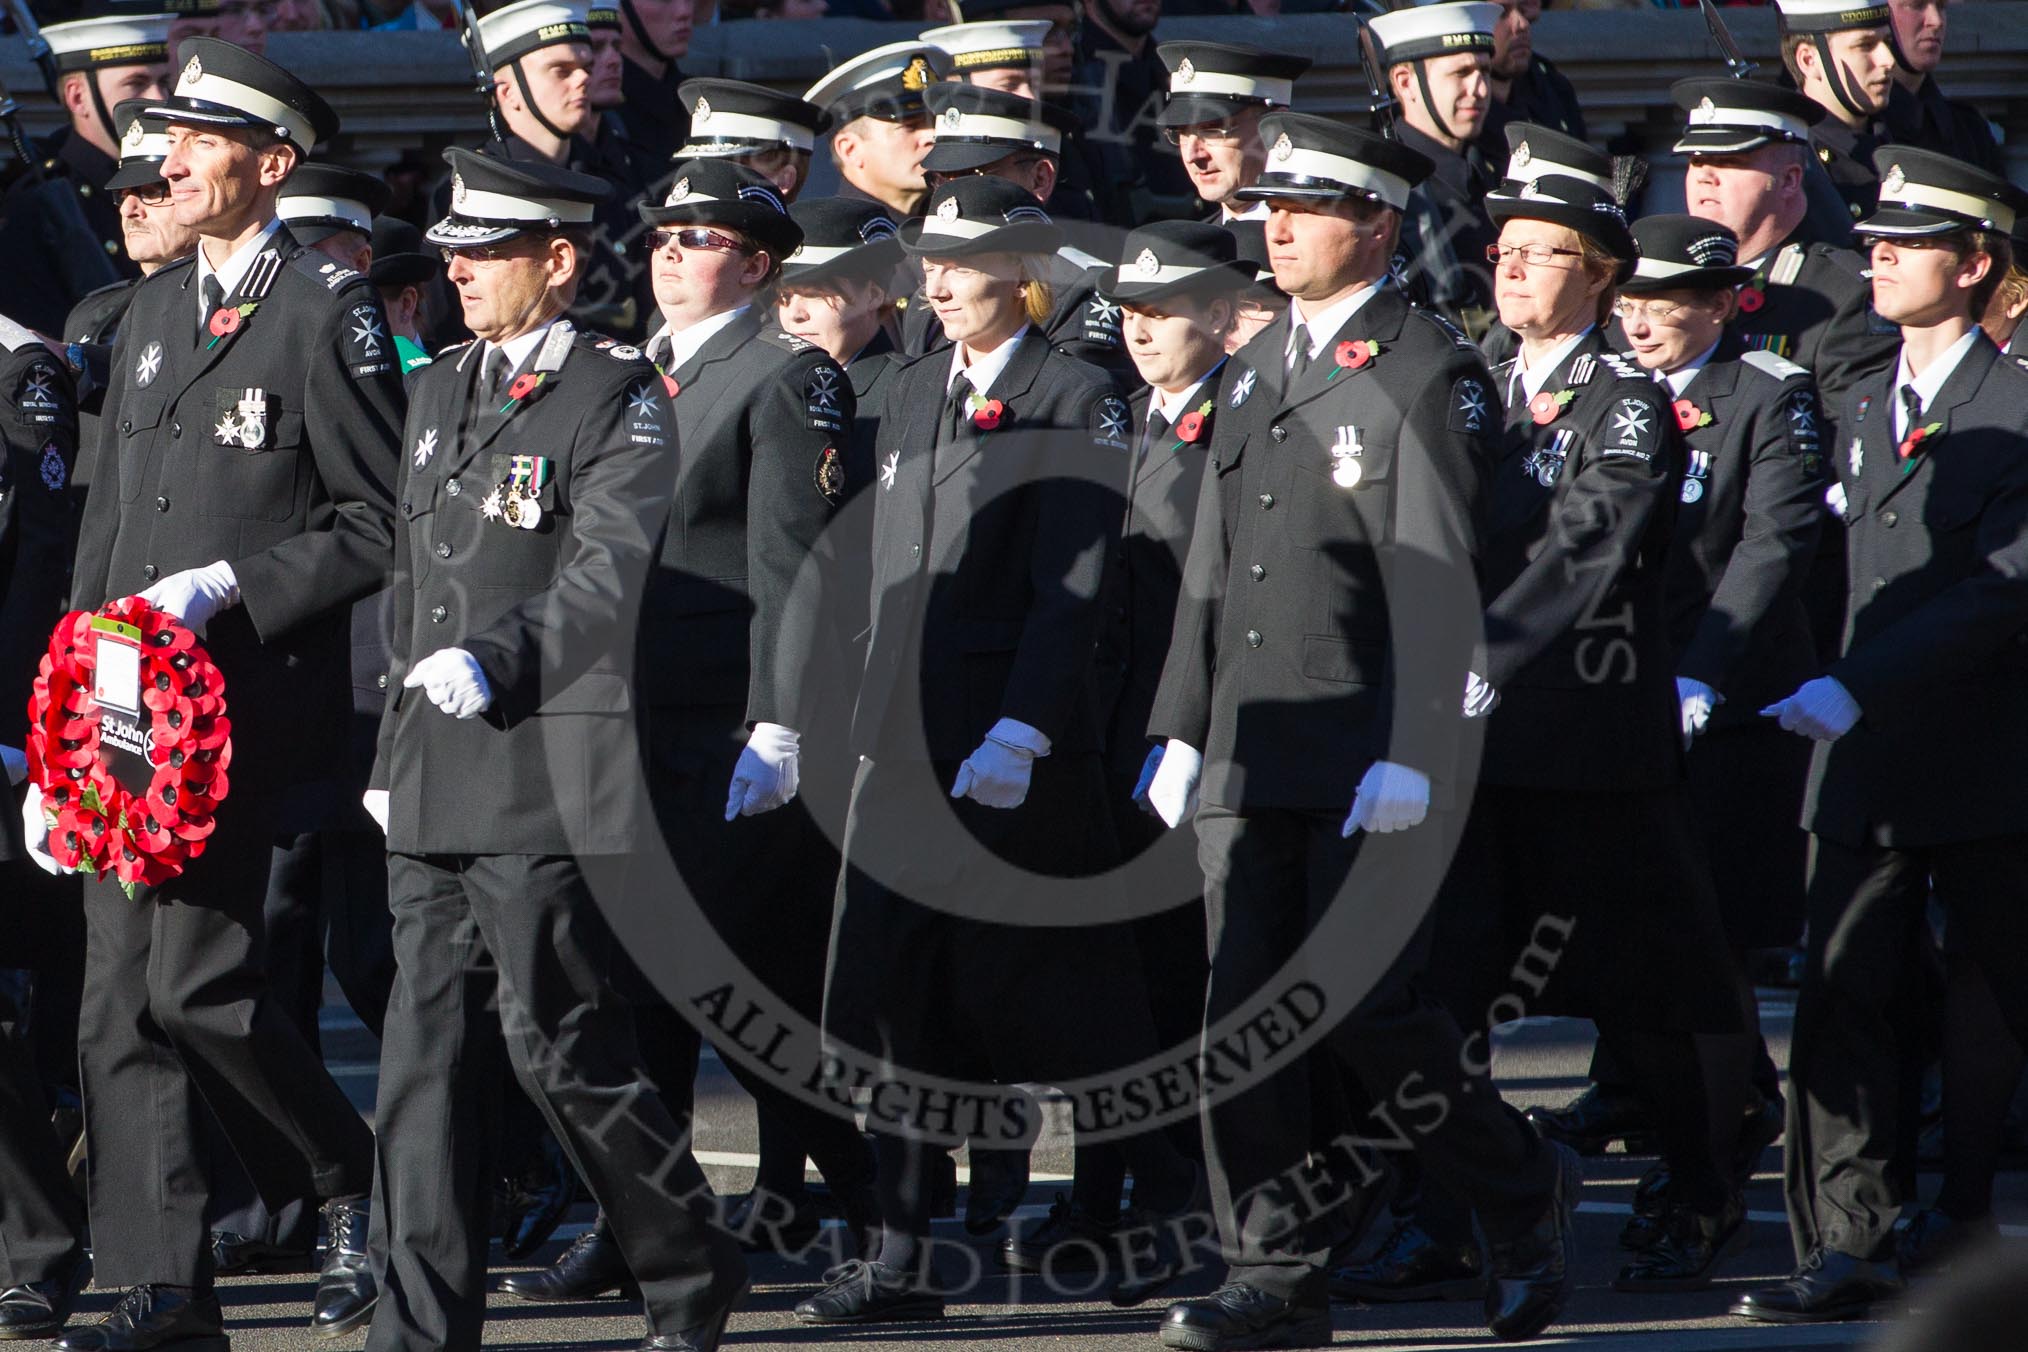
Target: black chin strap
(1429,101)
(633,19)
(1834,75)
(534,108)
(1901,61)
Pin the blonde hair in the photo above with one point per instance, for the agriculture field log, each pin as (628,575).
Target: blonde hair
(1037,294)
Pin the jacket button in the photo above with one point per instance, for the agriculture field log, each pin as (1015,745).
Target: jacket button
(1258,572)
(408,509)
(1267,502)
(381,680)
(443,550)
(150,572)
(1880,584)
(161,504)
(1278,432)
(1888,518)
(1253,638)
(453,487)
(176,429)
(127,426)
(915,551)
(439,615)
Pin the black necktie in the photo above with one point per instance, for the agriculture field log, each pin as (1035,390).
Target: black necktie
(495,379)
(955,411)
(1911,409)
(1158,432)
(214,299)
(1300,367)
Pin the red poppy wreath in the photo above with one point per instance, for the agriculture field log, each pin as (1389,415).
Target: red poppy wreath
(128,791)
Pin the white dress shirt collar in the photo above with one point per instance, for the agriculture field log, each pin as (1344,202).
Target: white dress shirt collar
(1175,407)
(234,269)
(520,347)
(1930,383)
(1534,378)
(984,367)
(683,345)
(1324,326)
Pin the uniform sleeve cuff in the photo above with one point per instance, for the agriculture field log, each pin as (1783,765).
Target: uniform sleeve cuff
(1015,733)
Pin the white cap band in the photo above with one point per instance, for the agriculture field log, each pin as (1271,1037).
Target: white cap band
(1322,164)
(717,126)
(956,124)
(308,206)
(208,88)
(1702,116)
(478,205)
(1919,195)
(1243,86)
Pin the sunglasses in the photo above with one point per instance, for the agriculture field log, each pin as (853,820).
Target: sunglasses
(694,239)
(480,253)
(148,194)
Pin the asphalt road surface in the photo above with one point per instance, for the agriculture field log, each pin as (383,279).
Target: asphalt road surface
(1541,1061)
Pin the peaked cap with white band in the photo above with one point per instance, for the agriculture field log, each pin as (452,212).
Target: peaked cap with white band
(994,44)
(1923,193)
(732,117)
(513,31)
(1685,253)
(494,199)
(975,126)
(144,144)
(886,83)
(1575,203)
(221,85)
(979,214)
(1210,81)
(1731,117)
(1536,152)
(117,37)
(1435,30)
(1832,16)
(321,200)
(1171,258)
(1318,159)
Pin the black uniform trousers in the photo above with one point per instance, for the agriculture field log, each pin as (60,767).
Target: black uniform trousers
(1866,917)
(177,1006)
(515,944)
(41,1222)
(1270,875)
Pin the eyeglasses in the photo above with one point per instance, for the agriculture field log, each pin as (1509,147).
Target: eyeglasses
(1653,311)
(478,253)
(148,194)
(1225,132)
(1534,255)
(694,239)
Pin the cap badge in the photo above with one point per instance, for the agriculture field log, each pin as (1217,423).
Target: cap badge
(1147,263)
(916,77)
(1894,180)
(951,120)
(136,134)
(947,210)
(457,190)
(1522,154)
(702,113)
(678,190)
(1185,73)
(193,71)
(1706,106)
(1284,147)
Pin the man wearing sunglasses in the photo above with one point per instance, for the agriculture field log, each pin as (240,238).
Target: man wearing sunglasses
(1218,93)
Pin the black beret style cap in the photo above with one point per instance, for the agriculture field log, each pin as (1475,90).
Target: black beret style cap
(1685,253)
(221,85)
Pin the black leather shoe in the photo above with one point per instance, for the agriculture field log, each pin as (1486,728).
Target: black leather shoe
(536,1202)
(345,1291)
(766,1222)
(1411,1264)
(1599,1116)
(1691,1245)
(1069,1239)
(1828,1286)
(154,1316)
(35,1310)
(999,1184)
(1532,1275)
(860,1292)
(1240,1316)
(588,1270)
(698,1338)
(1148,1247)
(1932,1241)
(1651,1205)
(235,1255)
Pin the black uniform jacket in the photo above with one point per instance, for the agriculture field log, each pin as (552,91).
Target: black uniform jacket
(271,448)
(989,556)
(39,428)
(1752,503)
(547,612)
(1575,642)
(764,422)
(1298,657)
(1935,650)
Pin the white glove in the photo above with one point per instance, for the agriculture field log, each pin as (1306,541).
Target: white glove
(995,775)
(1479,696)
(1173,791)
(35,829)
(196,594)
(768,773)
(452,680)
(1822,709)
(1697,700)
(16,762)
(1390,798)
(375,803)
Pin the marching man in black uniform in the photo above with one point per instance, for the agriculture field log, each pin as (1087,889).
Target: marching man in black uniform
(243,484)
(536,473)
(1841,55)
(1920,729)
(1746,528)
(1218,93)
(880,126)
(108,55)
(1360,432)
